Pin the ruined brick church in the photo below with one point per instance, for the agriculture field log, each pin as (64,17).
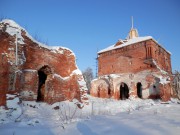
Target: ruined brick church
(34,71)
(134,67)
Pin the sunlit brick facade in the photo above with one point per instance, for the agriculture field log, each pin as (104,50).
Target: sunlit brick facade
(134,67)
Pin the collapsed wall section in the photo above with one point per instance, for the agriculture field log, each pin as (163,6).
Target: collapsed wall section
(22,61)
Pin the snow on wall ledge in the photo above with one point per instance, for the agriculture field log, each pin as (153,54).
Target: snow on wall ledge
(131,42)
(48,74)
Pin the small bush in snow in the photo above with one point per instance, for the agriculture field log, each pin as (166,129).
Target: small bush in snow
(68,111)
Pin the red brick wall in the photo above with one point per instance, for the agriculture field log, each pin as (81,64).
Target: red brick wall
(37,57)
(29,85)
(24,78)
(57,89)
(162,57)
(132,59)
(4,68)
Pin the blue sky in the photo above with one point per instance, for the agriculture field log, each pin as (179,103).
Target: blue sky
(86,26)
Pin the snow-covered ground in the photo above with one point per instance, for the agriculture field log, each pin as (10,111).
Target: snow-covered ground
(100,117)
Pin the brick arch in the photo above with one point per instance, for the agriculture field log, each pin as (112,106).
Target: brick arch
(117,94)
(103,88)
(124,91)
(46,67)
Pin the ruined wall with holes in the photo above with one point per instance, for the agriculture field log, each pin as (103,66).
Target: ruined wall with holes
(154,85)
(146,63)
(62,81)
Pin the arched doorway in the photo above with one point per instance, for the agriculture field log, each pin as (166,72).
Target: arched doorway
(124,91)
(139,90)
(42,73)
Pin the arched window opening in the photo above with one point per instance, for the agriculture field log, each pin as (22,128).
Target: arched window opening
(98,93)
(109,91)
(139,90)
(124,91)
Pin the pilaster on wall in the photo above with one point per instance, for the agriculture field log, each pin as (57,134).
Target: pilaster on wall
(149,50)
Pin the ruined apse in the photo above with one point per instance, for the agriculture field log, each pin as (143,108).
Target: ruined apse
(134,67)
(34,71)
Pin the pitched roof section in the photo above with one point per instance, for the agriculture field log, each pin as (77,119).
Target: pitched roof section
(129,42)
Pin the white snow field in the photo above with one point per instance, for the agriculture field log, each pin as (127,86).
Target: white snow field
(100,117)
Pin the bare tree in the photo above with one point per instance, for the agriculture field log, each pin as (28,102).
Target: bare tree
(39,39)
(88,77)
(2,17)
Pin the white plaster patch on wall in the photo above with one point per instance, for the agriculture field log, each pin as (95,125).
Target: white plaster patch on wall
(29,70)
(59,76)
(11,49)
(145,93)
(22,58)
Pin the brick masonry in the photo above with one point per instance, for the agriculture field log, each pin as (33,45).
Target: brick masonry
(142,69)
(42,73)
